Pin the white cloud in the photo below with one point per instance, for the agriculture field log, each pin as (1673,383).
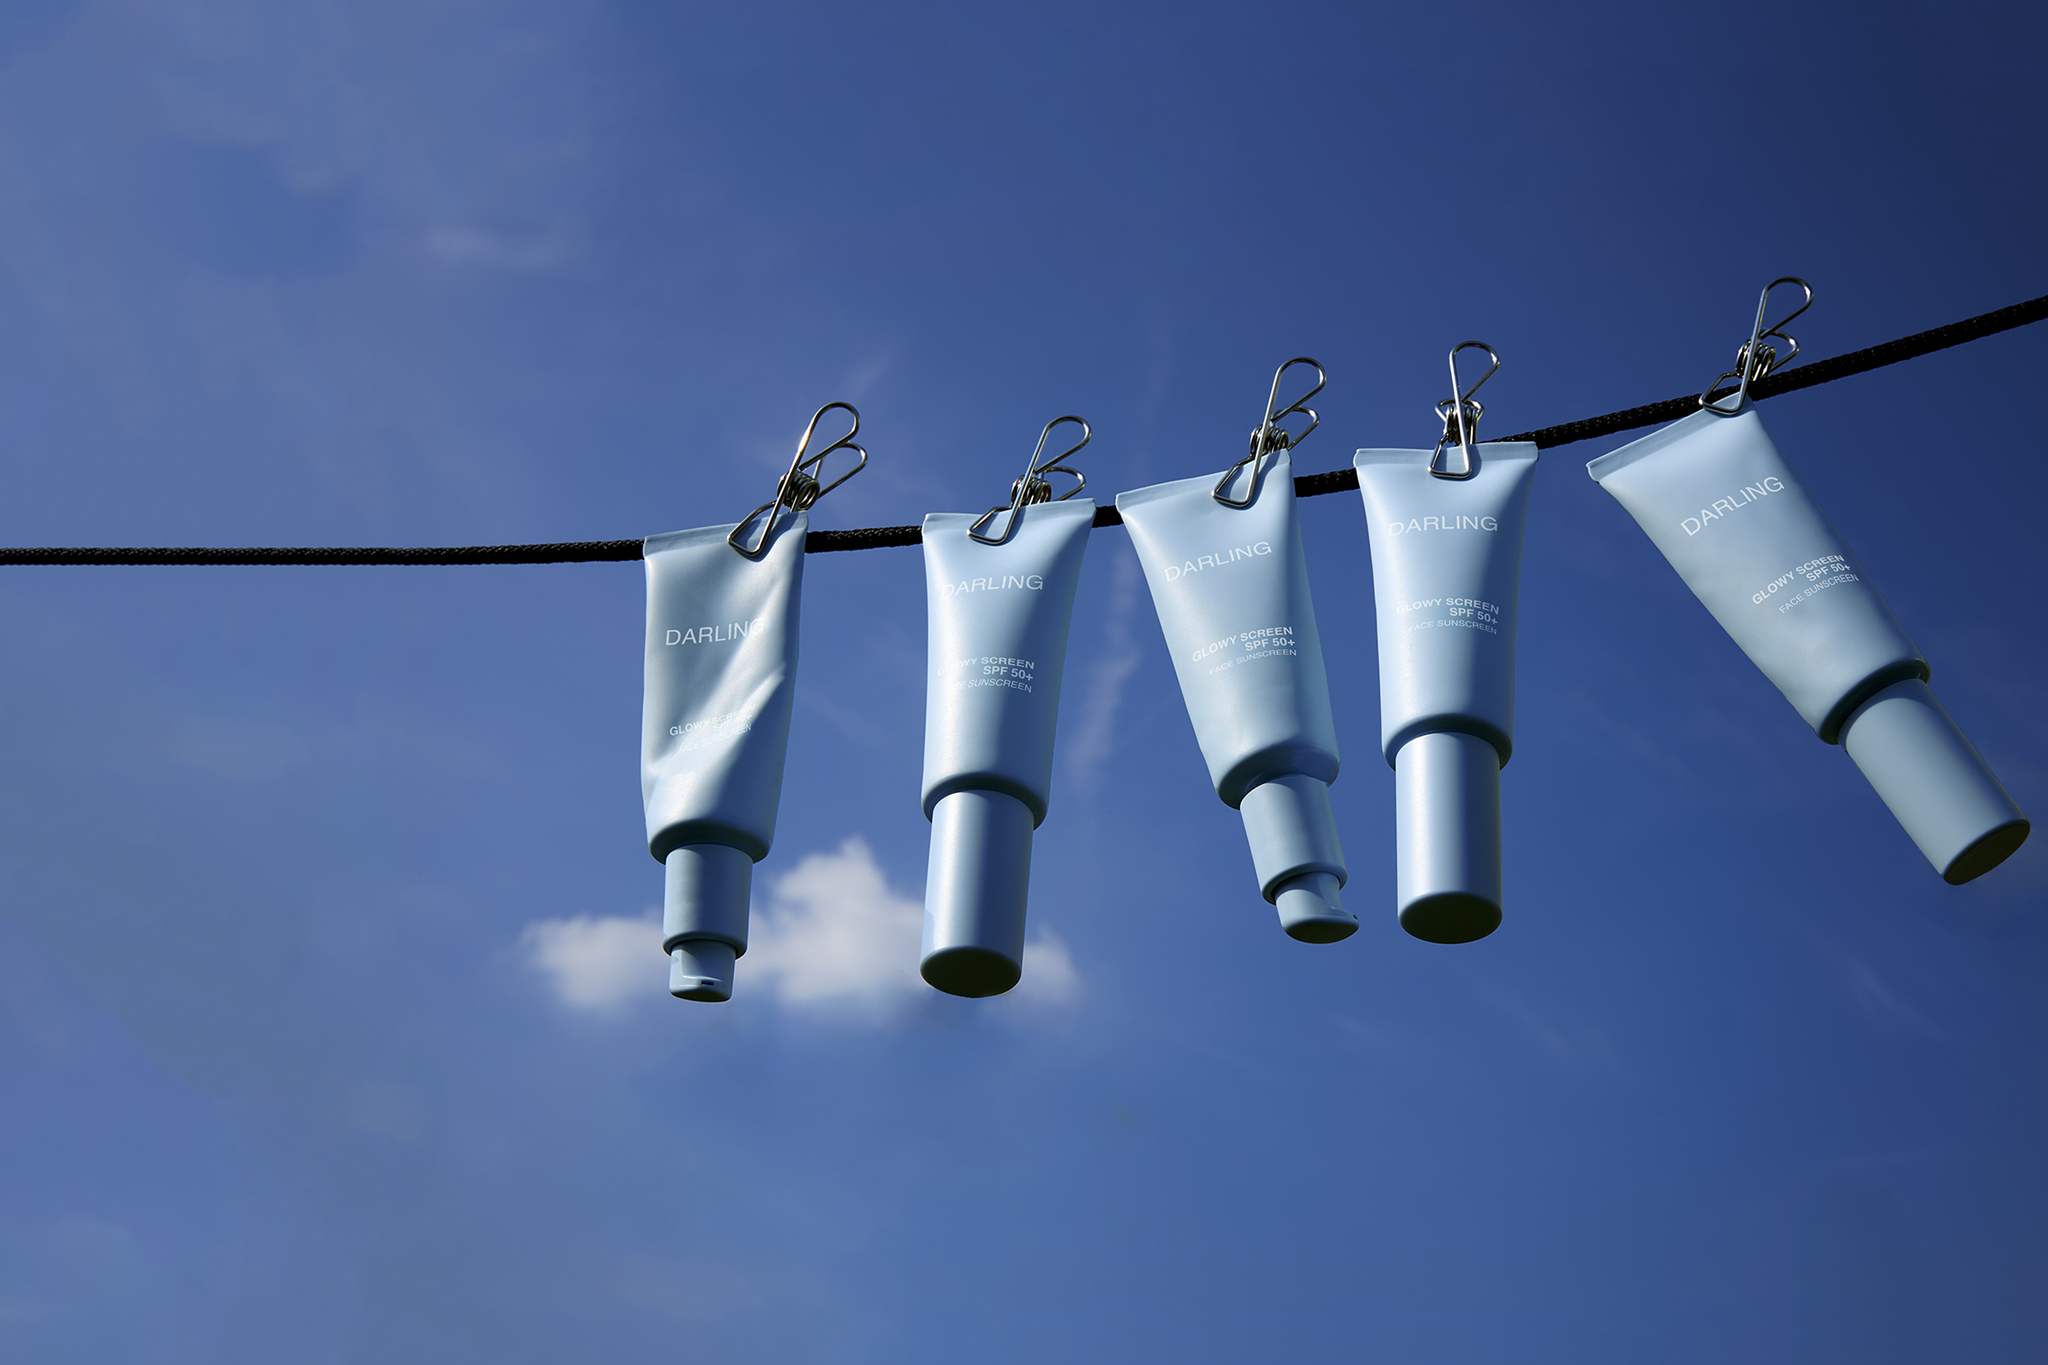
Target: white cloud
(597,963)
(836,934)
(833,935)
(1049,975)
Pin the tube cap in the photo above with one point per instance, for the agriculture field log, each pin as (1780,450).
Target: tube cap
(1935,781)
(1310,910)
(1300,864)
(974,893)
(1447,837)
(701,969)
(704,918)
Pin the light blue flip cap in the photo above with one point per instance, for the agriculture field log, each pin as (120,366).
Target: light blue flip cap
(974,894)
(1300,864)
(1935,781)
(704,918)
(1447,837)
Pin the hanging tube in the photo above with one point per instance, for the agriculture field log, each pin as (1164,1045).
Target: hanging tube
(999,618)
(1446,574)
(721,672)
(1715,495)
(1230,584)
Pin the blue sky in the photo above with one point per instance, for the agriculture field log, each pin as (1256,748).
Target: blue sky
(324,1034)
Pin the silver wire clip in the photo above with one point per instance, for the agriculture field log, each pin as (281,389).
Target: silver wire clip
(1269,437)
(1032,488)
(1756,359)
(1461,418)
(799,486)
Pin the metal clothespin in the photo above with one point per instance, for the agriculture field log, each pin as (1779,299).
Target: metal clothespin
(1269,437)
(1461,418)
(1756,359)
(799,486)
(1032,487)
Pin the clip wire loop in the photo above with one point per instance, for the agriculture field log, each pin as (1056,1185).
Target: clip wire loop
(1269,437)
(1461,412)
(1755,359)
(1032,488)
(799,486)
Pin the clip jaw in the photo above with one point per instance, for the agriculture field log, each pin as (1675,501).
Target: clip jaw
(1756,359)
(1461,420)
(1269,437)
(1031,487)
(799,486)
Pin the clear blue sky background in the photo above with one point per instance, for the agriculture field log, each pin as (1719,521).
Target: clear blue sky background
(329,1031)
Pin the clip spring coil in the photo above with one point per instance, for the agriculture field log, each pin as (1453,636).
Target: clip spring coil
(1269,437)
(1756,359)
(1031,487)
(799,487)
(1461,418)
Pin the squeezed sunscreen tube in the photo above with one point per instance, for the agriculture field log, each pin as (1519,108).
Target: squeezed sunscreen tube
(1231,588)
(1446,574)
(721,673)
(1714,494)
(999,618)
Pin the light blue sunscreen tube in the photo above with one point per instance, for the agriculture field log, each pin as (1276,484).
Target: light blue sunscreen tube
(1446,574)
(999,617)
(1231,588)
(721,673)
(1715,495)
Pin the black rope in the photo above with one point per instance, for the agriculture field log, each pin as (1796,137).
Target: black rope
(571,553)
(880,537)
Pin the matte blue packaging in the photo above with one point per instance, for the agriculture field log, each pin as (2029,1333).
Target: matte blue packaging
(1715,495)
(1230,585)
(720,679)
(999,616)
(1446,572)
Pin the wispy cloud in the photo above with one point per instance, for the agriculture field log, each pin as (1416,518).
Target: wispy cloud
(861,381)
(1886,1005)
(686,1291)
(833,936)
(489,249)
(1089,743)
(1378,1038)
(239,750)
(1570,1043)
(1883,1003)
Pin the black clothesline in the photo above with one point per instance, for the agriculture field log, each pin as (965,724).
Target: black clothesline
(881,537)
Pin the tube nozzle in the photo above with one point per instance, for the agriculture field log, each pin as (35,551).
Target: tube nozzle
(704,918)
